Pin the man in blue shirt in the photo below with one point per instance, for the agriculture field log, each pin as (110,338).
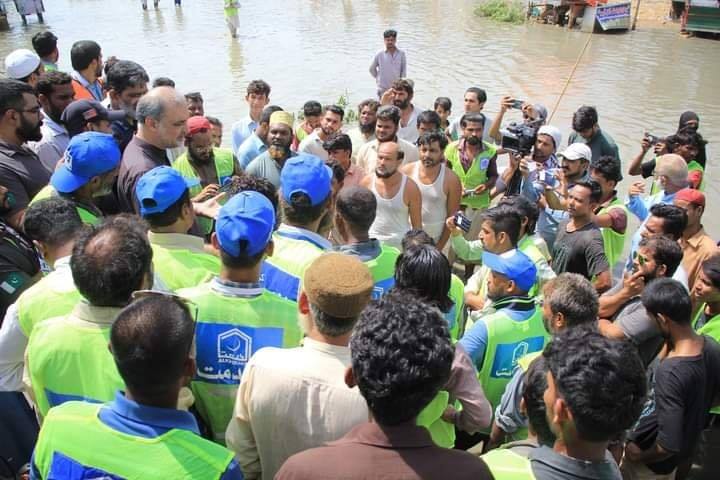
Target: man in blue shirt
(257,142)
(257,96)
(152,343)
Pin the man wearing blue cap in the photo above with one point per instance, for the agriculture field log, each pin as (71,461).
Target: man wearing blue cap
(88,170)
(510,328)
(180,259)
(236,315)
(305,184)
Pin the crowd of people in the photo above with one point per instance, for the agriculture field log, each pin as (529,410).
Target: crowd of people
(330,301)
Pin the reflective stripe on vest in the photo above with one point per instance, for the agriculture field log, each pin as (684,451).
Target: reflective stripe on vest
(508,341)
(69,361)
(507,465)
(224,168)
(180,268)
(442,432)
(74,443)
(282,272)
(229,331)
(613,242)
(382,269)
(476,174)
(53,296)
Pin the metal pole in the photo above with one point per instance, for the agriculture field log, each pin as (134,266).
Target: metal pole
(637,11)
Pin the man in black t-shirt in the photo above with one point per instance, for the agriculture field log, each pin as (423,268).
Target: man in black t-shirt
(686,386)
(579,245)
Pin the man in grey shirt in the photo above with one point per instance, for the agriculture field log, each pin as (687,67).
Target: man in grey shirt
(388,65)
(622,314)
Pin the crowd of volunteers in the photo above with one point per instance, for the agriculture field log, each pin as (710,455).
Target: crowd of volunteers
(318,300)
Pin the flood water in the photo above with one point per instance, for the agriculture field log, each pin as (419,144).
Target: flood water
(319,49)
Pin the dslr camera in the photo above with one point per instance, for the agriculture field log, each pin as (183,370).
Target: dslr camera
(519,138)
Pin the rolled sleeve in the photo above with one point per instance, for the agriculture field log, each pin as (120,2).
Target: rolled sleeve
(467,250)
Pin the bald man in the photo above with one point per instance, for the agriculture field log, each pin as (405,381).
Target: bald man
(161,116)
(399,203)
(671,173)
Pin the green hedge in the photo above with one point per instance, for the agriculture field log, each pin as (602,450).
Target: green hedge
(509,11)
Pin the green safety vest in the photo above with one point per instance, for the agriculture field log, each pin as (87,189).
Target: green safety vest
(528,247)
(229,331)
(455,315)
(75,443)
(232,7)
(283,271)
(613,242)
(476,174)
(508,341)
(382,269)
(86,215)
(442,432)
(68,362)
(300,133)
(53,296)
(508,465)
(181,268)
(711,329)
(224,168)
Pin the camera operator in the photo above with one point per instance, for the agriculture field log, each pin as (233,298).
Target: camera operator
(546,142)
(531,114)
(686,143)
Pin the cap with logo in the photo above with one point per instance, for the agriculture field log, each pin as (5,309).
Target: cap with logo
(79,112)
(21,63)
(245,224)
(514,265)
(576,151)
(88,155)
(159,188)
(306,174)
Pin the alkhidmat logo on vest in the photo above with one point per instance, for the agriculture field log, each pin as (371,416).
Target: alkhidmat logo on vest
(234,346)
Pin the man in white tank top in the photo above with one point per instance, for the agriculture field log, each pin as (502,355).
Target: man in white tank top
(399,203)
(439,186)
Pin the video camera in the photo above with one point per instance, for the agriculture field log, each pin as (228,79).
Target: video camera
(520,138)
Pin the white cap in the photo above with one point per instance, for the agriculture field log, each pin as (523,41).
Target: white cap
(21,63)
(554,132)
(576,151)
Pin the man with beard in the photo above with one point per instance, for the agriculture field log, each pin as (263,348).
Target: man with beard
(88,170)
(520,172)
(211,167)
(161,116)
(330,125)
(401,94)
(365,131)
(399,203)
(257,142)
(386,127)
(686,385)
(270,163)
(579,245)
(126,83)
(439,186)
(622,314)
(55,93)
(21,171)
(513,327)
(86,59)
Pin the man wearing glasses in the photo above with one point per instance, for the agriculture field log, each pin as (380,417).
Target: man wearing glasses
(21,171)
